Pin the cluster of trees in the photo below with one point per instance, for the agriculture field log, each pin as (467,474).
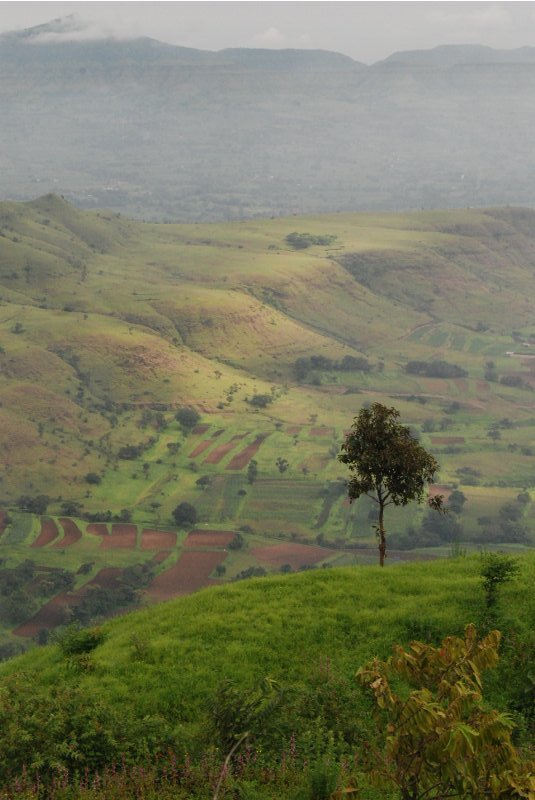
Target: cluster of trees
(300,241)
(303,365)
(101,602)
(435,369)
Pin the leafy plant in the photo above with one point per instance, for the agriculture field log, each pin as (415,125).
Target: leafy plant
(440,740)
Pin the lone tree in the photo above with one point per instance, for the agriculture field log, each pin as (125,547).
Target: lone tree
(387,464)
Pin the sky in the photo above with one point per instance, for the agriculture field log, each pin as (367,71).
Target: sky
(366,31)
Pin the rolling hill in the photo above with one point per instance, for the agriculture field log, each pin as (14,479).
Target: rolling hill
(108,327)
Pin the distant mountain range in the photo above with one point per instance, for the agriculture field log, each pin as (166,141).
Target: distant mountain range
(165,132)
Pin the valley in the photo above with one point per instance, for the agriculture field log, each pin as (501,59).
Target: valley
(110,329)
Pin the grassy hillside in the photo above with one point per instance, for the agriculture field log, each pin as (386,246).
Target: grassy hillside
(150,679)
(108,327)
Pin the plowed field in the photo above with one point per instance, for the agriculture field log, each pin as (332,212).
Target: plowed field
(191,572)
(157,540)
(209,538)
(98,529)
(122,536)
(201,447)
(242,458)
(220,452)
(49,531)
(297,555)
(322,431)
(200,430)
(71,533)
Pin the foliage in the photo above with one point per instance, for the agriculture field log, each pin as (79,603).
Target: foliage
(185,514)
(252,471)
(260,400)
(77,641)
(496,570)
(435,369)
(300,241)
(386,464)
(187,417)
(440,740)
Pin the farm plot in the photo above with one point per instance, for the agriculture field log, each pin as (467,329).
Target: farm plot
(209,538)
(323,431)
(157,540)
(241,459)
(200,430)
(72,533)
(284,500)
(47,534)
(220,501)
(292,553)
(191,572)
(201,447)
(122,536)
(447,440)
(220,452)
(98,529)
(52,614)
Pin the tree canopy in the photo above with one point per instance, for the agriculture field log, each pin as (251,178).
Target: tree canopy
(386,463)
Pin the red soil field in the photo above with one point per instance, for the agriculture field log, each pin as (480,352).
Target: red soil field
(3,523)
(447,439)
(240,436)
(220,452)
(51,614)
(201,447)
(217,433)
(49,531)
(293,429)
(191,572)
(461,384)
(157,540)
(242,458)
(122,536)
(290,553)
(209,538)
(98,529)
(72,533)
(322,431)
(199,430)
(482,386)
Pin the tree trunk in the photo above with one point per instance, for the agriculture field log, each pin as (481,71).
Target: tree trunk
(382,539)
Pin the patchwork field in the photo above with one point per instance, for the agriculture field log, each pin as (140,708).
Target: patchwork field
(274,350)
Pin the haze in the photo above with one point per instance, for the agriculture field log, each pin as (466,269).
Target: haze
(365,31)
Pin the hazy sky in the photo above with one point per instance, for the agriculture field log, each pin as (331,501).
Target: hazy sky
(367,31)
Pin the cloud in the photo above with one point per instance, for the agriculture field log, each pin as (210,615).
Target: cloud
(271,36)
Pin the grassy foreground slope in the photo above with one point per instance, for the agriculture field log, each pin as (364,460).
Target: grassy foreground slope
(153,675)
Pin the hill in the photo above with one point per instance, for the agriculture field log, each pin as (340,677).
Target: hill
(151,680)
(275,332)
(170,133)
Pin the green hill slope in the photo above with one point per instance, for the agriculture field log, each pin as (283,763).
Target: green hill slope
(149,679)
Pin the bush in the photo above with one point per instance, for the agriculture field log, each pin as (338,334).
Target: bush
(185,514)
(93,478)
(187,417)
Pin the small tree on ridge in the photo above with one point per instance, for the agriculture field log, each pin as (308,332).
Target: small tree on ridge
(387,464)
